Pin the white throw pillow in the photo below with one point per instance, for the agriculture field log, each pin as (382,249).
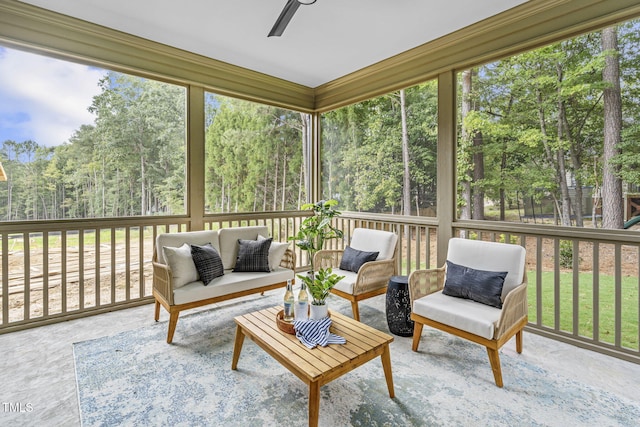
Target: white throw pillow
(276,252)
(181,264)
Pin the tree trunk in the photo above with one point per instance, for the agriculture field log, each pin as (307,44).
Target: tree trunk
(143,193)
(503,167)
(612,209)
(276,176)
(561,170)
(406,181)
(306,159)
(284,179)
(478,176)
(465,210)
(576,164)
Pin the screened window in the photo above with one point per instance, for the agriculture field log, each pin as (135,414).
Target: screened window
(254,157)
(380,155)
(551,136)
(83,142)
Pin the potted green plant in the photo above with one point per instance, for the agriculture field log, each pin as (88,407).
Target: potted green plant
(319,286)
(313,233)
(317,229)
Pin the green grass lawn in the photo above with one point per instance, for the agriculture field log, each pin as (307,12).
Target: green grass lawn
(73,239)
(606,312)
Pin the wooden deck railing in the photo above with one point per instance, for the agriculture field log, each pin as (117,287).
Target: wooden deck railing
(583,284)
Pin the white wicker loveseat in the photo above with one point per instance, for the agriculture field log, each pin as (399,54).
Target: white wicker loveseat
(177,284)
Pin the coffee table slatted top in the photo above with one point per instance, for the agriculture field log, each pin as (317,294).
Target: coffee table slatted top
(320,364)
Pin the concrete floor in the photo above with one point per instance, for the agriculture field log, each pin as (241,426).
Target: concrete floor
(38,375)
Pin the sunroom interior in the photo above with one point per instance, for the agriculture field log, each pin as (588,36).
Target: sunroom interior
(325,77)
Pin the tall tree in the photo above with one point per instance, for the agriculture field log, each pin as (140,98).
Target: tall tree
(406,178)
(464,148)
(612,209)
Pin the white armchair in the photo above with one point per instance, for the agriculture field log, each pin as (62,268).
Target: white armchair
(366,279)
(488,325)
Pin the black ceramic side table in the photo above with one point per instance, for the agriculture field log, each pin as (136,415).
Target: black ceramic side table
(398,307)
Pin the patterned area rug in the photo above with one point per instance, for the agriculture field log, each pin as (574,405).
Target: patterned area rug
(135,378)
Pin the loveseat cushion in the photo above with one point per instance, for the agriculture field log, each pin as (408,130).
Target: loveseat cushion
(207,261)
(473,317)
(190,237)
(179,260)
(229,241)
(230,283)
(253,255)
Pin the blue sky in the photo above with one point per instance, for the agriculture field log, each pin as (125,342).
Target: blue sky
(44,99)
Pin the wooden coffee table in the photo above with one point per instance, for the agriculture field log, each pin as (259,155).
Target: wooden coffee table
(320,365)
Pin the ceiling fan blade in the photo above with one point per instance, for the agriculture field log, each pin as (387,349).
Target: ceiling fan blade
(284,18)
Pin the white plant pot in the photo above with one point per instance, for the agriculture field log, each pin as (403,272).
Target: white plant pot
(318,311)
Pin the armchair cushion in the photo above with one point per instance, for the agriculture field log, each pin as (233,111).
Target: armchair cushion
(345,285)
(478,285)
(181,264)
(491,256)
(384,242)
(208,262)
(253,255)
(352,259)
(464,314)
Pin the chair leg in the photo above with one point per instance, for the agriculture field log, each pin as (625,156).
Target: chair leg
(494,359)
(173,321)
(356,311)
(157,313)
(519,341)
(417,332)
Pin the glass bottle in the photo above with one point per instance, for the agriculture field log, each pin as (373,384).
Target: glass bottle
(288,302)
(302,306)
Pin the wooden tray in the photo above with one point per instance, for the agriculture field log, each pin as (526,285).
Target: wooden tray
(284,326)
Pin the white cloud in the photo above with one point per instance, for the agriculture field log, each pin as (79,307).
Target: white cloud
(44,99)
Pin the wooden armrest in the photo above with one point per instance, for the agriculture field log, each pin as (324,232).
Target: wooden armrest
(425,282)
(163,281)
(514,308)
(289,260)
(374,275)
(328,258)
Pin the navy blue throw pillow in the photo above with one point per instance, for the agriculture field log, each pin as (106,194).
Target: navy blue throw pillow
(478,285)
(207,261)
(352,259)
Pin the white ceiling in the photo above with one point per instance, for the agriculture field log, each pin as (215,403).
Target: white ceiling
(324,41)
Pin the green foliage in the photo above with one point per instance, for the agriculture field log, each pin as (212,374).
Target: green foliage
(320,284)
(253,156)
(566,253)
(512,239)
(362,151)
(318,228)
